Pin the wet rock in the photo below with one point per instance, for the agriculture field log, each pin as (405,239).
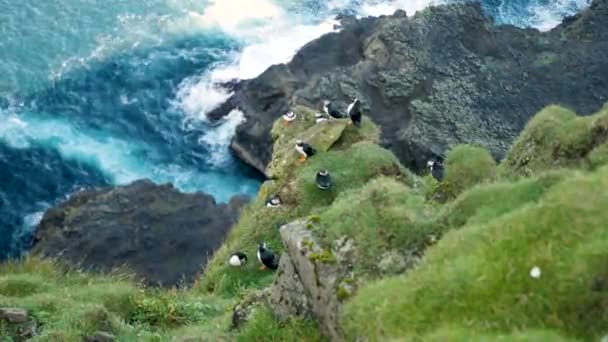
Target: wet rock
(161,235)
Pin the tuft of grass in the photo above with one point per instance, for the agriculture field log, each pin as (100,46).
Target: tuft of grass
(485,203)
(479,276)
(557,138)
(465,335)
(348,169)
(384,215)
(263,326)
(466,166)
(69,305)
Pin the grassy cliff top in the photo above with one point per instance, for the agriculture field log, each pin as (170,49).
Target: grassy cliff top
(468,259)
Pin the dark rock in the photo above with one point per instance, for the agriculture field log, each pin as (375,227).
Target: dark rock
(100,336)
(161,235)
(445,76)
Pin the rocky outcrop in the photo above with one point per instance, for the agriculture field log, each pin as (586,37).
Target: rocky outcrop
(16,324)
(163,236)
(445,76)
(312,280)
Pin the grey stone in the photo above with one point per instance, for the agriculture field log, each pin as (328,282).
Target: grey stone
(14,315)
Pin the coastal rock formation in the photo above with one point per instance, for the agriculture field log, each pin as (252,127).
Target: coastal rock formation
(444,76)
(312,281)
(165,237)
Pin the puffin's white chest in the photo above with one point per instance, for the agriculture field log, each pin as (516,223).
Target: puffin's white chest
(350,108)
(235,260)
(300,150)
(259,256)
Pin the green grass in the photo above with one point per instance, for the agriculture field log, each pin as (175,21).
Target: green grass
(349,168)
(464,335)
(558,138)
(485,203)
(384,215)
(478,276)
(466,166)
(471,285)
(263,327)
(70,305)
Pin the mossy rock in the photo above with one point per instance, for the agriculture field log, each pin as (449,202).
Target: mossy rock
(352,134)
(320,136)
(466,166)
(479,276)
(558,138)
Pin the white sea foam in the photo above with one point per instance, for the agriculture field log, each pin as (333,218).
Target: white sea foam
(546,16)
(219,138)
(377,8)
(126,161)
(270,35)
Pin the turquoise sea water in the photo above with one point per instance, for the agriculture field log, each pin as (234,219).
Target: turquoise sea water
(102,93)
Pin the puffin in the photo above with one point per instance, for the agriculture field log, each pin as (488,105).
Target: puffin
(304,150)
(354,112)
(273,202)
(323,179)
(238,259)
(289,117)
(320,117)
(331,110)
(267,257)
(436,168)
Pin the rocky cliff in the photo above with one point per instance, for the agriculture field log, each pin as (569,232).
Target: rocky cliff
(445,76)
(163,236)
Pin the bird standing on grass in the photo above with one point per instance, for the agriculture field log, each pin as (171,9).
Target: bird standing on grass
(273,202)
(238,259)
(289,117)
(267,258)
(330,109)
(304,150)
(436,168)
(323,180)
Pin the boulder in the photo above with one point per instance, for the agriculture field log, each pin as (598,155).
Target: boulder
(14,315)
(161,235)
(445,76)
(312,280)
(17,324)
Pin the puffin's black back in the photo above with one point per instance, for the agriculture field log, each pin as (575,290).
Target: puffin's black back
(309,150)
(268,258)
